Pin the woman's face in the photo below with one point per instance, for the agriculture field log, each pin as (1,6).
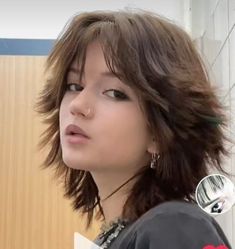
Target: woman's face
(118,135)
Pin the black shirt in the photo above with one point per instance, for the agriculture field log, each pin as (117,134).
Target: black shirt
(172,225)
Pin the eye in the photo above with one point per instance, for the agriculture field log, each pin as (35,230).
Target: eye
(117,94)
(217,207)
(73,87)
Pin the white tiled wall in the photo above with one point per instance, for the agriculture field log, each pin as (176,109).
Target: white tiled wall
(218,48)
(231,13)
(220,24)
(232,79)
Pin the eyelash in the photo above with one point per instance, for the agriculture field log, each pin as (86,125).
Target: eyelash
(79,88)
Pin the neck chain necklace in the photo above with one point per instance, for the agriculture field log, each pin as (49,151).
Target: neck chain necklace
(111,231)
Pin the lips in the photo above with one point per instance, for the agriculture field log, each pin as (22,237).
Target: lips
(75,130)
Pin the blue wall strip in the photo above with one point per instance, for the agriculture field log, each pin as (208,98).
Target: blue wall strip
(25,46)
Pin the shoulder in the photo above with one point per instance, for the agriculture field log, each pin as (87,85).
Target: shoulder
(175,209)
(182,215)
(176,225)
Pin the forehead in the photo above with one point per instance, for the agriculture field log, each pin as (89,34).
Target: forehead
(104,72)
(94,61)
(95,66)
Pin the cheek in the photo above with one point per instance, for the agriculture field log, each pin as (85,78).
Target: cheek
(134,128)
(63,118)
(63,112)
(125,126)
(62,115)
(125,138)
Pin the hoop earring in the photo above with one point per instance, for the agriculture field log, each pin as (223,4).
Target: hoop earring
(154,160)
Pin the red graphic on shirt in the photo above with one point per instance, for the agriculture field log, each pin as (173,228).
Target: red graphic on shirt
(215,247)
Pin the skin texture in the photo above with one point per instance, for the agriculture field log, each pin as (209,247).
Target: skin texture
(119,143)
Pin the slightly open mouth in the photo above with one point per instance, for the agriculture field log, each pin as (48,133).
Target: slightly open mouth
(73,134)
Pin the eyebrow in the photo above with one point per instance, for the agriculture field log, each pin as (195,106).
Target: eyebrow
(104,74)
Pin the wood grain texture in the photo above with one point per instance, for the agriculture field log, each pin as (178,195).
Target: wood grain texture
(33,211)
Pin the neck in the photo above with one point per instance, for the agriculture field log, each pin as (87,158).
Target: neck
(113,192)
(113,207)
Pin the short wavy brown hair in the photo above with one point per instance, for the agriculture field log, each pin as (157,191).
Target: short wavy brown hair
(159,61)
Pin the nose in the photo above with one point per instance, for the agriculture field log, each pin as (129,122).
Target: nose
(81,104)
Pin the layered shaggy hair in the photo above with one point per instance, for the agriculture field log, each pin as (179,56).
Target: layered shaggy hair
(158,60)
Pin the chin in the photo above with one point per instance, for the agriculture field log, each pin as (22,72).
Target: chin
(75,164)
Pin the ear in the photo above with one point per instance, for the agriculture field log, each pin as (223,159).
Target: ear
(152,146)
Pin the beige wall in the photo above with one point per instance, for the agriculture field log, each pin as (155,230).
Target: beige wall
(33,212)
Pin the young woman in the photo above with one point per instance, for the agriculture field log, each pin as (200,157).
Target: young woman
(134,125)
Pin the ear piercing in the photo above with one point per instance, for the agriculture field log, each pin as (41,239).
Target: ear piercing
(154,160)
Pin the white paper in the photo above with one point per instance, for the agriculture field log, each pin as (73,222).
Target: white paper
(81,242)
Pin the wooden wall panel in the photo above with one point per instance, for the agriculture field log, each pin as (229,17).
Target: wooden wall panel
(33,212)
